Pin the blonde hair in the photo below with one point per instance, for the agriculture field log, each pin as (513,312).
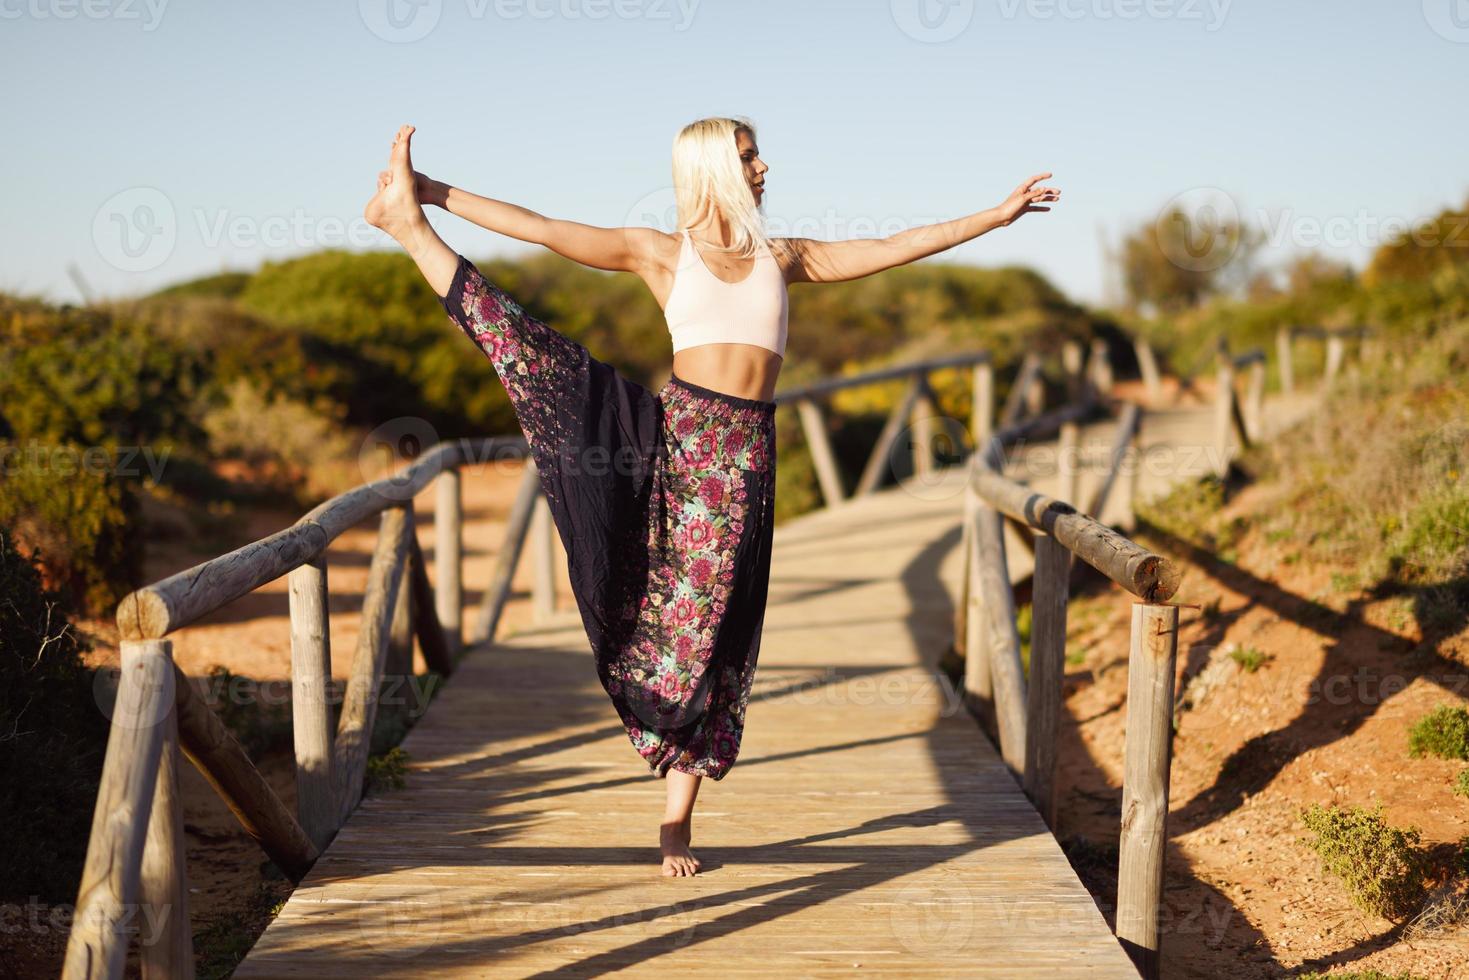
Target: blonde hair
(709,181)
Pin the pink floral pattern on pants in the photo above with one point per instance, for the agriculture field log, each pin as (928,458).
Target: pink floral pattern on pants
(669,550)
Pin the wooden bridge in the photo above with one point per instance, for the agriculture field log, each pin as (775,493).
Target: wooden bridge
(870,826)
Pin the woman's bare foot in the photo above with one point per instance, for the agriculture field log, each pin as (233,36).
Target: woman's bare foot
(395,207)
(673,841)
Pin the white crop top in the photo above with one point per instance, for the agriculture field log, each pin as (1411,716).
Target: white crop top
(704,309)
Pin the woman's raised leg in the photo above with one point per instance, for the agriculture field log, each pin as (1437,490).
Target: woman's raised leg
(395,209)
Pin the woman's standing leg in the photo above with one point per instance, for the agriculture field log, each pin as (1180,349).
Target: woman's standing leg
(677,830)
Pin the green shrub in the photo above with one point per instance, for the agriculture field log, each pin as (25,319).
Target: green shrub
(1381,866)
(1249,658)
(286,437)
(387,771)
(1461,783)
(71,505)
(1444,733)
(52,737)
(262,727)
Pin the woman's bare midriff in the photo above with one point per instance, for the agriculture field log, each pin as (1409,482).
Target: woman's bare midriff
(742,370)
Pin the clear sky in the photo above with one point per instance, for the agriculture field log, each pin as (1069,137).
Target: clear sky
(150,141)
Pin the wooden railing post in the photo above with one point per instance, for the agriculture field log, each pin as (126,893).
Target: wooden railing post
(449,558)
(1047,669)
(105,907)
(1101,367)
(506,561)
(1223,413)
(876,463)
(1068,466)
(169,952)
(543,540)
(1255,400)
(828,477)
(1147,364)
(1335,352)
(1073,366)
(1283,352)
(311,712)
(982,410)
(385,578)
(1002,638)
(921,420)
(1148,751)
(978,680)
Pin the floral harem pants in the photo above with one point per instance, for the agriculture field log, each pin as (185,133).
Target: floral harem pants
(665,503)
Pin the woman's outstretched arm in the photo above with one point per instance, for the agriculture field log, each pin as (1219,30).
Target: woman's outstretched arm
(818,261)
(613,249)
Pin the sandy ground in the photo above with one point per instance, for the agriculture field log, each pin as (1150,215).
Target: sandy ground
(1324,721)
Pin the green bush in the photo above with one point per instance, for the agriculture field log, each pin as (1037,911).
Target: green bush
(1444,733)
(1381,866)
(71,505)
(52,737)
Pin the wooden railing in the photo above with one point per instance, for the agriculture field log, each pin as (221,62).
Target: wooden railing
(135,853)
(1022,713)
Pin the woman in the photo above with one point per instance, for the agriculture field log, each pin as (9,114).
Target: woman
(664,501)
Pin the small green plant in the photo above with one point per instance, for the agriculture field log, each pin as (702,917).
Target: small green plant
(1443,732)
(1250,659)
(387,771)
(260,726)
(1381,866)
(1461,784)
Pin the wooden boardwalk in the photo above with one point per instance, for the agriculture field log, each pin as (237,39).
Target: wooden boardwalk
(868,827)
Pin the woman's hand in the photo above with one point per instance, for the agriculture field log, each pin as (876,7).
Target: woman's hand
(430,191)
(1025,199)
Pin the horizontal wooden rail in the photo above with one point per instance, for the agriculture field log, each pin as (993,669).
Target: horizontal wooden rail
(159,609)
(826,386)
